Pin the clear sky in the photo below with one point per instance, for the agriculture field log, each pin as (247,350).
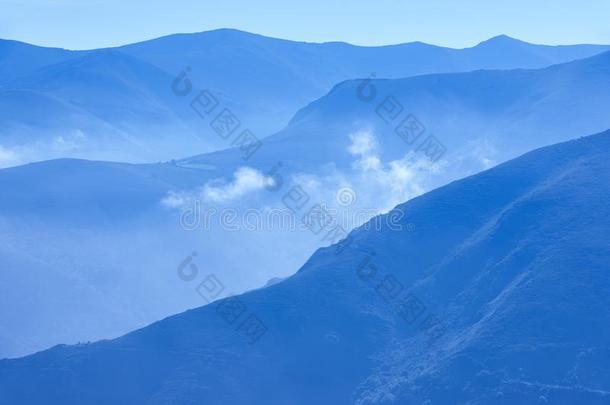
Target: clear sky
(82,24)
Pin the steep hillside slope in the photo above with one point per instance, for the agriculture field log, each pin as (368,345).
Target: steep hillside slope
(498,295)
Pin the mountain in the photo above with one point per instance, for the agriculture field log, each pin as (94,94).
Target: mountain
(509,109)
(92,106)
(140,221)
(485,300)
(124,104)
(19,59)
(61,249)
(257,70)
(94,249)
(478,119)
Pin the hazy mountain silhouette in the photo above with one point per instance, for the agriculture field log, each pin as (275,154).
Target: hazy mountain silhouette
(58,215)
(512,265)
(100,104)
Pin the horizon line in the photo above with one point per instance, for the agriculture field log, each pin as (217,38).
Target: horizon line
(237,30)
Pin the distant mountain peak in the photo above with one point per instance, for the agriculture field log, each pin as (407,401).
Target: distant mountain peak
(502,37)
(501,40)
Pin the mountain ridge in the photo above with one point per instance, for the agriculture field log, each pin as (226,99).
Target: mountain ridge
(261,80)
(332,337)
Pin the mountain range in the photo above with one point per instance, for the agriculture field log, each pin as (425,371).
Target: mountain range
(86,227)
(122,104)
(498,294)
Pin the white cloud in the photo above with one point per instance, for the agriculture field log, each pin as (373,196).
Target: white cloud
(485,152)
(8,157)
(175,200)
(245,180)
(396,181)
(363,143)
(68,142)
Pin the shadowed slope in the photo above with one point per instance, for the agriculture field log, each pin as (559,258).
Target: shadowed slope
(512,261)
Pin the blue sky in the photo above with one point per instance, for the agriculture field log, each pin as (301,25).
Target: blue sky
(81,24)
